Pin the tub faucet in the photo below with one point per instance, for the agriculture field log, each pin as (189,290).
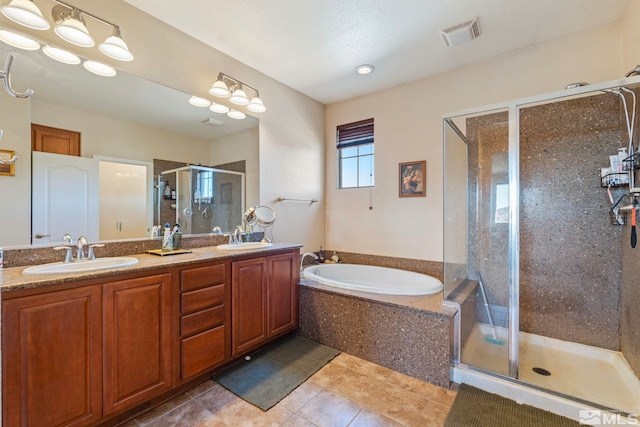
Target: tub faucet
(311,254)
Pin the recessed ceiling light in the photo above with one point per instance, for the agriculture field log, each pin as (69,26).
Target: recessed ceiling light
(365,69)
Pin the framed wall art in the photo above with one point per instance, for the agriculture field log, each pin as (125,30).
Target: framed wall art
(413,179)
(7,169)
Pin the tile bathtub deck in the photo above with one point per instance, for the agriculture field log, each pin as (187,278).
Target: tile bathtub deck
(348,391)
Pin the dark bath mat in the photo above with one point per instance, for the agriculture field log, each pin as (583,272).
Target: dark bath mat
(477,408)
(276,371)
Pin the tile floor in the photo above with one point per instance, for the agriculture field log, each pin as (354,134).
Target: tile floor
(348,391)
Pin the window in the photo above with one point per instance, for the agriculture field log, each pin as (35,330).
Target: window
(355,154)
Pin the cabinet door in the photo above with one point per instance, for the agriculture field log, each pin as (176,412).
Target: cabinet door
(137,340)
(282,293)
(249,308)
(52,359)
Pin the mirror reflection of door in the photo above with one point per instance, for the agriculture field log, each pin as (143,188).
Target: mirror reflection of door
(54,140)
(64,198)
(123,200)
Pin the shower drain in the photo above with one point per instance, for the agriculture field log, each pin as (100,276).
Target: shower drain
(542,371)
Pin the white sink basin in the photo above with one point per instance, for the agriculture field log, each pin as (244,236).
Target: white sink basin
(81,266)
(245,246)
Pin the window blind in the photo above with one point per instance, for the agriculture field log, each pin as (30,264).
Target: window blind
(357,133)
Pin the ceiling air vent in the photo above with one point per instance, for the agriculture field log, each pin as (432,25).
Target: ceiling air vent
(461,33)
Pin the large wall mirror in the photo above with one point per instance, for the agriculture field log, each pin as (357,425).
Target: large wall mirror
(126,124)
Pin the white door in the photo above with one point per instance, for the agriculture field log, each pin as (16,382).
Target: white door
(123,201)
(65,198)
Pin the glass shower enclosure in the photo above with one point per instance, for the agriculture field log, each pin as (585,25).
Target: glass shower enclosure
(536,227)
(204,198)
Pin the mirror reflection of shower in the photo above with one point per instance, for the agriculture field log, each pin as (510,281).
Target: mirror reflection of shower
(203,198)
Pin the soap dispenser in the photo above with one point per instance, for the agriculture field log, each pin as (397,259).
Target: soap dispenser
(321,256)
(167,190)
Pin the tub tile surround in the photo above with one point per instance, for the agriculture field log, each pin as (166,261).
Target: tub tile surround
(406,334)
(409,334)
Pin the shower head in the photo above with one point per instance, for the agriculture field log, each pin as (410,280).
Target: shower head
(575,85)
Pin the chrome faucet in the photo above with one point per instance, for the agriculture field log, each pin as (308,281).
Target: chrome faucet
(67,247)
(82,242)
(237,235)
(311,254)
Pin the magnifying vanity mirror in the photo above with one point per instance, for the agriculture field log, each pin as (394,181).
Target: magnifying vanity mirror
(262,216)
(127,120)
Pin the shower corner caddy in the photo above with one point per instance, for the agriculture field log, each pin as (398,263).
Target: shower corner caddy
(610,180)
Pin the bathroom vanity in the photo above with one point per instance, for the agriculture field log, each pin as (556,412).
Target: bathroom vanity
(99,347)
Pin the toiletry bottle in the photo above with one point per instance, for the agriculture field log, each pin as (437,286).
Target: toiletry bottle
(167,241)
(335,258)
(177,237)
(321,256)
(167,190)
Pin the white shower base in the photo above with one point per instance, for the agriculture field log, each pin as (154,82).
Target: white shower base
(591,374)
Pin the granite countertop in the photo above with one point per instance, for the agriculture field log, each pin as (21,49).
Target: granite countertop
(12,279)
(429,303)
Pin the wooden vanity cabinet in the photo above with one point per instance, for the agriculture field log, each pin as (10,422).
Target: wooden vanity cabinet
(90,352)
(204,318)
(52,358)
(264,299)
(137,340)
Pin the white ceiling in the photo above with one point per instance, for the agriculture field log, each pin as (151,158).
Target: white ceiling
(314,45)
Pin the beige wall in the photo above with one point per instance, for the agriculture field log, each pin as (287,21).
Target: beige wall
(106,136)
(631,36)
(291,130)
(236,147)
(408,126)
(15,191)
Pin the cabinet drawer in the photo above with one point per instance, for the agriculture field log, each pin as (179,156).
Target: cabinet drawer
(202,298)
(197,278)
(203,351)
(201,320)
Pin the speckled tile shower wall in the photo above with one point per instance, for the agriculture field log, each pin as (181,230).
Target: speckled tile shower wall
(570,270)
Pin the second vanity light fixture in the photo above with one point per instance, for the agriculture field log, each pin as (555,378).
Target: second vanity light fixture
(228,87)
(70,26)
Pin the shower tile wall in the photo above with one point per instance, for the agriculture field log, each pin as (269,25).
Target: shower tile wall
(570,272)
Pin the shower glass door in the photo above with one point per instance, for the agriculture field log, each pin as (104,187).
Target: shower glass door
(480,236)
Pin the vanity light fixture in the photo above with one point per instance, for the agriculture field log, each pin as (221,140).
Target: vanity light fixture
(228,87)
(18,40)
(61,55)
(256,105)
(114,47)
(219,108)
(199,102)
(235,114)
(365,69)
(99,68)
(26,13)
(70,26)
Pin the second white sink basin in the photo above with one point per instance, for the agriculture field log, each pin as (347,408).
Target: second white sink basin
(245,246)
(81,266)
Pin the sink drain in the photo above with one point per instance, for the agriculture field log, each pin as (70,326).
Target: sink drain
(541,371)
